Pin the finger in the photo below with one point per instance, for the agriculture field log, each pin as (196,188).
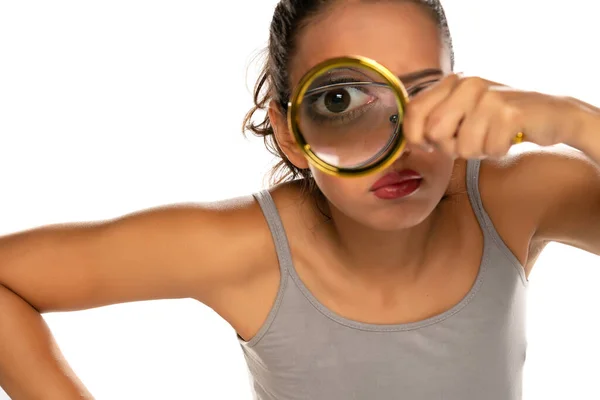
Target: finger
(448,146)
(443,122)
(472,134)
(499,139)
(419,108)
(505,123)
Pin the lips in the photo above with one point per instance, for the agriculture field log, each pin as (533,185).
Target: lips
(396,178)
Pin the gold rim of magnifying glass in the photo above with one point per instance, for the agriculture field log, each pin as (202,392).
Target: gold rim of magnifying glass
(400,95)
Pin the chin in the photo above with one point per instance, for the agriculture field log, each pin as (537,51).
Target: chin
(366,209)
(390,222)
(393,216)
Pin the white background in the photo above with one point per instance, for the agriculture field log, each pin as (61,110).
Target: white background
(115,106)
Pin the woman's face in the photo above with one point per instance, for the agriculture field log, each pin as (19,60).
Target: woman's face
(403,37)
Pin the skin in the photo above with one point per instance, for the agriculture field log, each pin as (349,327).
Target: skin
(366,263)
(389,233)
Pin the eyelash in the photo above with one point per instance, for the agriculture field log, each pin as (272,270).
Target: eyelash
(340,118)
(412,91)
(420,87)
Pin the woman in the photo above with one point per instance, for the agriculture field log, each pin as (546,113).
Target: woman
(408,283)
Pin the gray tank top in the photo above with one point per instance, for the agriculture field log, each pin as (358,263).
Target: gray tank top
(473,351)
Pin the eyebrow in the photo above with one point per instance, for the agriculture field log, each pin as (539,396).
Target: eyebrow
(417,75)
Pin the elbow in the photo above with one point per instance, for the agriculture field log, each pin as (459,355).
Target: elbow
(4,290)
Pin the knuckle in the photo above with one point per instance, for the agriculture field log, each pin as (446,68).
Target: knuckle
(475,83)
(451,79)
(435,120)
(492,98)
(511,113)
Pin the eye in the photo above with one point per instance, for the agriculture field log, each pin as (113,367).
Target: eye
(419,87)
(341,100)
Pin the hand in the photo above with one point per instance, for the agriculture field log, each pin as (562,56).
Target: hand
(475,118)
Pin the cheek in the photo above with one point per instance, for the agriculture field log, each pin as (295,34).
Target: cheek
(341,190)
(352,197)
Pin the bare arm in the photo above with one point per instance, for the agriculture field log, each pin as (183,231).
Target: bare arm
(31,365)
(552,195)
(175,252)
(570,212)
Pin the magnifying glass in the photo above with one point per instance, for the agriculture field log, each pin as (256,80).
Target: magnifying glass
(346,115)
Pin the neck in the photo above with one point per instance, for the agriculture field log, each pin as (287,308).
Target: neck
(381,256)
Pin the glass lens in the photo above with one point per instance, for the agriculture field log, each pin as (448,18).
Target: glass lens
(350,118)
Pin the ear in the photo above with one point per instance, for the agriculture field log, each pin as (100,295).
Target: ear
(285,139)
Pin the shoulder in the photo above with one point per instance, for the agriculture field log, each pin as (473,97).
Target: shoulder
(245,236)
(239,230)
(246,222)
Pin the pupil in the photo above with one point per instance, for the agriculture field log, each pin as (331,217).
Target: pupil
(337,101)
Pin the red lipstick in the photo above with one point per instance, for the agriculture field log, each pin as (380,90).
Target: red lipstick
(397,185)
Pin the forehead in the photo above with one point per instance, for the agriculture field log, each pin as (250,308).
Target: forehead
(400,35)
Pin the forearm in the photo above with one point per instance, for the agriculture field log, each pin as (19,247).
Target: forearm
(31,365)
(587,139)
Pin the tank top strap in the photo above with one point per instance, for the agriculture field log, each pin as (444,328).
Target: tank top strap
(282,248)
(490,234)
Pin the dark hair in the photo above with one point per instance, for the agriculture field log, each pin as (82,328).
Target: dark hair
(273,83)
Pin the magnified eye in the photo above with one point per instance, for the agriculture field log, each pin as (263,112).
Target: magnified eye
(340,101)
(347,116)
